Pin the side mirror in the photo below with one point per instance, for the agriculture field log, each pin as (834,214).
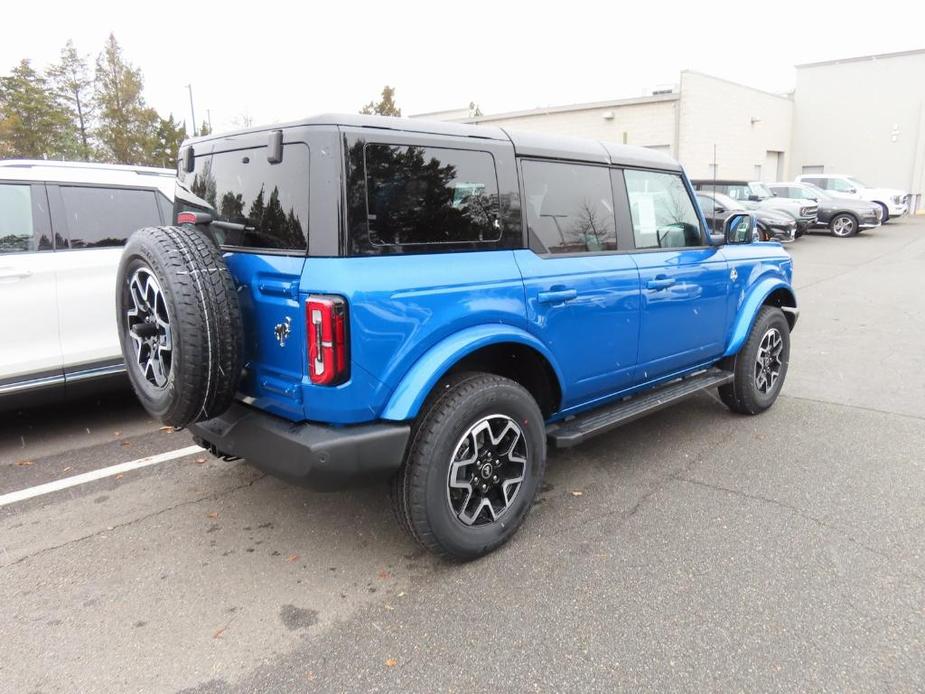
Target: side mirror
(852,190)
(719,209)
(739,228)
(754,197)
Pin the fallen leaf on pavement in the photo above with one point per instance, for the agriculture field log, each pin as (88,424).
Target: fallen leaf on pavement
(24,463)
(119,476)
(391,662)
(576,492)
(292,557)
(212,514)
(401,594)
(67,469)
(384,575)
(169,430)
(200,461)
(125,443)
(218,634)
(117,433)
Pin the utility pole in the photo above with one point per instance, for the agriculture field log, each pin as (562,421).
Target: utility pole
(192,110)
(209,118)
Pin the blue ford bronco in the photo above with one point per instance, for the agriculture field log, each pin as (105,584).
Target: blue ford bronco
(347,299)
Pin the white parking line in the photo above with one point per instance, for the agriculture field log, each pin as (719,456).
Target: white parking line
(94,475)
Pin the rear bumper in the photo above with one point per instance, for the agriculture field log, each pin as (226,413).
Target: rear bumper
(314,455)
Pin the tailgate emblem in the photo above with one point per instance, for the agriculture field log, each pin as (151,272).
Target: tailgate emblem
(282,331)
(734,275)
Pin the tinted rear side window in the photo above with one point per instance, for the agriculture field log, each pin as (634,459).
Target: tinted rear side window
(418,196)
(569,207)
(101,217)
(253,203)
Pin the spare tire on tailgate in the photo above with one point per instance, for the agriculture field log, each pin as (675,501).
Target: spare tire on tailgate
(179,324)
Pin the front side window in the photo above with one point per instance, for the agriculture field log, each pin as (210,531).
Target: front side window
(419,196)
(253,203)
(663,213)
(840,185)
(101,217)
(17,233)
(569,207)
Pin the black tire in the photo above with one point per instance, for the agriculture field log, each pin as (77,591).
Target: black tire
(744,394)
(886,212)
(843,225)
(199,376)
(420,492)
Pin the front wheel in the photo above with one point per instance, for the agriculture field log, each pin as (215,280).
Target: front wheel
(760,367)
(476,460)
(843,225)
(886,212)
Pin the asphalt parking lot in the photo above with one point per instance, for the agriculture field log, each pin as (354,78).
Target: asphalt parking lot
(692,550)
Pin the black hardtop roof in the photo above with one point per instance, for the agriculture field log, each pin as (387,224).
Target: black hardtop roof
(529,144)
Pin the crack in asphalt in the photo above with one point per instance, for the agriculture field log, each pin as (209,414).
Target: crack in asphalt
(140,519)
(802,514)
(855,407)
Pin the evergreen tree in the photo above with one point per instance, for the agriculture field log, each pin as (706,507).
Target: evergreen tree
(168,138)
(73,87)
(204,129)
(33,125)
(386,105)
(128,127)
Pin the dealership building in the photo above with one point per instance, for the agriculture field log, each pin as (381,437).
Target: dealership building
(864,117)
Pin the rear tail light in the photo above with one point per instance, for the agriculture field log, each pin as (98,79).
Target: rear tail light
(326,328)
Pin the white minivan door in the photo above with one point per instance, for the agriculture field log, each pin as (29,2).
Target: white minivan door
(30,349)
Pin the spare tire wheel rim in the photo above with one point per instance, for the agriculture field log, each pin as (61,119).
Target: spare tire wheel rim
(487,470)
(768,363)
(148,324)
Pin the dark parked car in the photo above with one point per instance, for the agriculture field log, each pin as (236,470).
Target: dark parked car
(769,224)
(842,216)
(754,196)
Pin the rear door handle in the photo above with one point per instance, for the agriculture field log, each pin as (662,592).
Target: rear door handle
(556,296)
(660,283)
(8,273)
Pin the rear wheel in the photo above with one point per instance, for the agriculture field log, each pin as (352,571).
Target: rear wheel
(843,225)
(476,460)
(760,367)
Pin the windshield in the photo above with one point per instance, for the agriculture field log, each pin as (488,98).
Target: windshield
(726,201)
(761,190)
(816,192)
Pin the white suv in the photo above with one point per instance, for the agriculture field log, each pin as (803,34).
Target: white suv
(893,202)
(62,228)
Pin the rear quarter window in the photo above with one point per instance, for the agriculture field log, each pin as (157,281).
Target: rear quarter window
(409,198)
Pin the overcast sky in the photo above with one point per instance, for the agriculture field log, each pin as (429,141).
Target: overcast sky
(278,61)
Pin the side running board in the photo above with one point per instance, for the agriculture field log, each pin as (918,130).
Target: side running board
(573,431)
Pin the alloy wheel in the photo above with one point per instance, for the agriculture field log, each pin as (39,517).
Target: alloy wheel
(487,470)
(843,226)
(149,328)
(768,363)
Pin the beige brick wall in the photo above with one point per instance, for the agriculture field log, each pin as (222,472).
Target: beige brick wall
(715,111)
(646,124)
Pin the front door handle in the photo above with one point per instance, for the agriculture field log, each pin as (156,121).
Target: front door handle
(660,282)
(556,296)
